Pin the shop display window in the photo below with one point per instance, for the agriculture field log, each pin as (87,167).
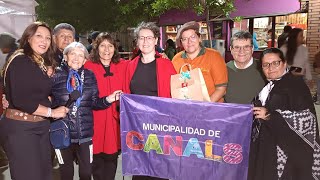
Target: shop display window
(299,20)
(261,37)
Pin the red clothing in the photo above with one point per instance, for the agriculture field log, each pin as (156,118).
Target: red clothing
(106,127)
(164,71)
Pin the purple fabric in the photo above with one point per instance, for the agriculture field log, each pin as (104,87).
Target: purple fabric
(232,121)
(175,16)
(254,8)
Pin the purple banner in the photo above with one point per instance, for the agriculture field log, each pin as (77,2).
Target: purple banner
(184,140)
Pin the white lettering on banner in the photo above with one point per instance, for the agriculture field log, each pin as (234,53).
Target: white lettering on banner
(179,129)
(212,133)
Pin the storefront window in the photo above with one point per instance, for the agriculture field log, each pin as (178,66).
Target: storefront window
(261,37)
(243,25)
(294,20)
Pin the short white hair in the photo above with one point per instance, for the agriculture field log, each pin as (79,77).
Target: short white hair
(73,45)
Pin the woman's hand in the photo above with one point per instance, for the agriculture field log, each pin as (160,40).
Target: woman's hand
(5,103)
(261,113)
(115,96)
(297,73)
(50,71)
(59,112)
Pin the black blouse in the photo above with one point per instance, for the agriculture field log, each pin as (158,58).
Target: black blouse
(144,79)
(27,85)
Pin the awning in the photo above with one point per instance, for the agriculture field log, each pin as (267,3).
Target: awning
(260,8)
(24,7)
(174,17)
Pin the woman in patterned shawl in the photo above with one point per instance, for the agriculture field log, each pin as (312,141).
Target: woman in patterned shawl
(285,138)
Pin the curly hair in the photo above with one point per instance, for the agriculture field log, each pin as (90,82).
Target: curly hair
(147,25)
(95,57)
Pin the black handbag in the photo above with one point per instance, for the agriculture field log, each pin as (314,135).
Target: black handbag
(59,134)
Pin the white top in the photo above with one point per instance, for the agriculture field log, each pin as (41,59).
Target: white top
(300,60)
(249,64)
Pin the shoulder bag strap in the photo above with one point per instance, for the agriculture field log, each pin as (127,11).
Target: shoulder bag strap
(14,55)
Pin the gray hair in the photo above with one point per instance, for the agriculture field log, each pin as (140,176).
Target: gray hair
(73,45)
(147,25)
(66,26)
(243,35)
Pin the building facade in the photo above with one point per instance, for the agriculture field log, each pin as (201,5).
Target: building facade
(313,33)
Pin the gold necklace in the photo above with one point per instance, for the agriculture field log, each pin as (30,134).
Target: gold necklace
(40,62)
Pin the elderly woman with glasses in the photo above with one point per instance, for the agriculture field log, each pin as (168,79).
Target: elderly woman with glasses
(285,142)
(70,77)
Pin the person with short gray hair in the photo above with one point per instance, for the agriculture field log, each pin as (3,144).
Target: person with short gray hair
(63,35)
(73,45)
(241,35)
(245,76)
(149,73)
(147,25)
(69,77)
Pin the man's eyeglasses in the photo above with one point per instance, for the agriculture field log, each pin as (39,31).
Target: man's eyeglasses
(244,48)
(192,38)
(274,64)
(146,38)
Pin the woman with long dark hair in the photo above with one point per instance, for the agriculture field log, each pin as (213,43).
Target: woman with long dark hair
(25,125)
(109,69)
(296,54)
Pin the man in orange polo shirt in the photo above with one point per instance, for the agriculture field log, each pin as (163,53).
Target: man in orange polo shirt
(210,62)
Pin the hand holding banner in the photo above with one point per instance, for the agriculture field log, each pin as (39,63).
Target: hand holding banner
(184,140)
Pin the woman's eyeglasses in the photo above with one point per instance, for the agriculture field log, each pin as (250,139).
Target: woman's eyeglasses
(273,64)
(146,38)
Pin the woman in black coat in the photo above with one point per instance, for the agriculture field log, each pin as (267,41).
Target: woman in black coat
(285,142)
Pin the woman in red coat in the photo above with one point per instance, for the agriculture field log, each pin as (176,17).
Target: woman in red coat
(109,70)
(149,73)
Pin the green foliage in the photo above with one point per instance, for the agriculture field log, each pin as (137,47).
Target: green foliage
(159,7)
(84,15)
(114,15)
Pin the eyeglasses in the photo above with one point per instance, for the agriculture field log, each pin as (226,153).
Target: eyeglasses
(192,38)
(273,64)
(146,38)
(244,48)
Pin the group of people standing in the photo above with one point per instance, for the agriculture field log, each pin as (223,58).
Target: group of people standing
(38,81)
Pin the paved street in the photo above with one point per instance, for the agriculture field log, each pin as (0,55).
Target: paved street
(5,174)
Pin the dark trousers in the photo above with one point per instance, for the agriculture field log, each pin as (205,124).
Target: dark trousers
(28,149)
(104,166)
(146,178)
(82,154)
